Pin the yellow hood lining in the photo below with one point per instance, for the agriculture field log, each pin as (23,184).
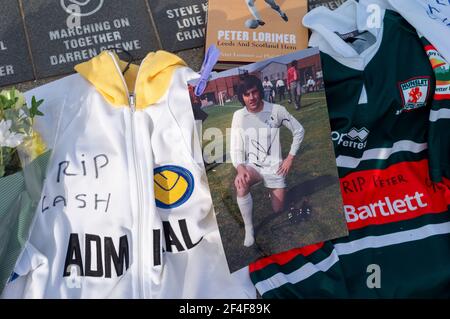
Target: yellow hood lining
(149,81)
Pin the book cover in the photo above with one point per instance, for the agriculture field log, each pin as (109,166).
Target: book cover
(251,30)
(269,157)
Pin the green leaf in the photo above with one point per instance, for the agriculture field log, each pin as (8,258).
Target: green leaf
(35,107)
(6,103)
(3,100)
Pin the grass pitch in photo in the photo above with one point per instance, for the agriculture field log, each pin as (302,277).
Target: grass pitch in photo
(269,157)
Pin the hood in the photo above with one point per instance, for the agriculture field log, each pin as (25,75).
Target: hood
(149,81)
(329,29)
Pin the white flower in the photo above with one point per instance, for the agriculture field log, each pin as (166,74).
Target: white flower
(8,138)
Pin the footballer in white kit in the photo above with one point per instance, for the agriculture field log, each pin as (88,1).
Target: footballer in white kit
(258,21)
(255,149)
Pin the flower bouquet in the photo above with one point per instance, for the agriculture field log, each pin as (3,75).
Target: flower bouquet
(16,131)
(23,162)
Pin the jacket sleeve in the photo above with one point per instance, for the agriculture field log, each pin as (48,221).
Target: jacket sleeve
(30,272)
(61,100)
(439,133)
(297,130)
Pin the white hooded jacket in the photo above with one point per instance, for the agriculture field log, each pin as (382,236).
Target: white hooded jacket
(125,210)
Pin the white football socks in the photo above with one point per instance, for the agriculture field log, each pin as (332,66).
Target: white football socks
(272,4)
(253,10)
(246,207)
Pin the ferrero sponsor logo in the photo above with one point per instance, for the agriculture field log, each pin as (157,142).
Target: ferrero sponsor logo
(355,138)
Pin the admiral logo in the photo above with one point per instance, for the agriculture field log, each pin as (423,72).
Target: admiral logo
(102,258)
(414,93)
(355,138)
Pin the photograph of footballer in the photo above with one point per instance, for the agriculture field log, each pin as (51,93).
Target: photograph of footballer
(259,122)
(270,164)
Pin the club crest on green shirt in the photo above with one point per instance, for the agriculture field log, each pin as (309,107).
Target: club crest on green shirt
(414,93)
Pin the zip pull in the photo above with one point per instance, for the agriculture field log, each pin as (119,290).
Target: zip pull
(132,102)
